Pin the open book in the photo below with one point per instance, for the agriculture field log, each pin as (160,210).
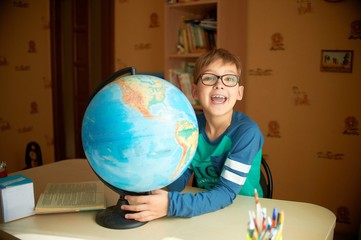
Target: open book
(71,197)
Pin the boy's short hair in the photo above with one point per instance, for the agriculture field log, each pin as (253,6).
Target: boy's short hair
(211,56)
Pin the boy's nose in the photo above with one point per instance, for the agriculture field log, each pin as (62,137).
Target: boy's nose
(219,84)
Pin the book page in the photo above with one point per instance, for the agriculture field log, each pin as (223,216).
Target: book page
(71,197)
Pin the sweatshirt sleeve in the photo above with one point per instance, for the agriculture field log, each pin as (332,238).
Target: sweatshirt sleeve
(247,148)
(189,205)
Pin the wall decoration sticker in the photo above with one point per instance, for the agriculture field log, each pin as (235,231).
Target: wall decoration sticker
(330,155)
(21,68)
(45,23)
(34,108)
(154,20)
(3,61)
(260,72)
(336,61)
(304,6)
(301,98)
(142,46)
(351,126)
(47,83)
(21,4)
(273,129)
(25,129)
(355,30)
(343,215)
(31,47)
(277,42)
(4,125)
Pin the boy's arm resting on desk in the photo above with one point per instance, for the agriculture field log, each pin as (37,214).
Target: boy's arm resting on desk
(231,181)
(189,205)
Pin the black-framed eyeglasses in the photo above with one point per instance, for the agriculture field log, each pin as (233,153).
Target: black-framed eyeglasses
(210,79)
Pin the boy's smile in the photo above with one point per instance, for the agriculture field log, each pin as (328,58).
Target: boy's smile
(218,99)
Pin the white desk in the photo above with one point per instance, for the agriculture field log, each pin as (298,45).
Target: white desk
(302,220)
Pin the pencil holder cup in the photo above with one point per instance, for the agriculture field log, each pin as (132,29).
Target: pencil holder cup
(263,227)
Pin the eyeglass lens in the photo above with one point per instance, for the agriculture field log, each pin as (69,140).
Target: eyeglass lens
(228,80)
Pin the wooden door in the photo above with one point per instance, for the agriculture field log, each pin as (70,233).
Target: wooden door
(75,48)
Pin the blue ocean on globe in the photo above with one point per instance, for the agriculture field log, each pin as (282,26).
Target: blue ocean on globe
(139,133)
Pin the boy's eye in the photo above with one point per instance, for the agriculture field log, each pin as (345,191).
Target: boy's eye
(209,78)
(230,78)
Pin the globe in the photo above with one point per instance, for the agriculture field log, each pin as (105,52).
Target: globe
(139,133)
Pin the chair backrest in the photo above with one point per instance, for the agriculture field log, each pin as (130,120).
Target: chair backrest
(266,179)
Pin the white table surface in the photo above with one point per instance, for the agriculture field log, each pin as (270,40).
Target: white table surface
(302,220)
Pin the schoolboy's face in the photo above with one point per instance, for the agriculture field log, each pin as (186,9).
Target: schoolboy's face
(218,98)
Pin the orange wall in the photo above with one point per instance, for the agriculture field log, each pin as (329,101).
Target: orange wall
(139,35)
(25,81)
(301,110)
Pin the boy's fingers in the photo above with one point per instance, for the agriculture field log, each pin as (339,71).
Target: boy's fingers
(138,199)
(134,207)
(141,216)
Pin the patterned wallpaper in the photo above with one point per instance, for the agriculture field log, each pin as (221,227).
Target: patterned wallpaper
(140,42)
(25,81)
(307,101)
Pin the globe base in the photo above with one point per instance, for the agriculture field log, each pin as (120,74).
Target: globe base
(114,217)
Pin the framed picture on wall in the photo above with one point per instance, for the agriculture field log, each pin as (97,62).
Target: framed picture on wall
(336,61)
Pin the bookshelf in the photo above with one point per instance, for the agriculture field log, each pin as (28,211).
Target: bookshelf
(230,16)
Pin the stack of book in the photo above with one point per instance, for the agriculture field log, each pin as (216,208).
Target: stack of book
(196,36)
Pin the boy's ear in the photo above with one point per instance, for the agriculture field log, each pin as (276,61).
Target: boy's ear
(240,93)
(194,91)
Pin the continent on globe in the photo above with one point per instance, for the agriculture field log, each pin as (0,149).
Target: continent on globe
(187,138)
(141,95)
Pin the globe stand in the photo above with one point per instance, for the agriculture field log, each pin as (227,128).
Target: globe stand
(114,217)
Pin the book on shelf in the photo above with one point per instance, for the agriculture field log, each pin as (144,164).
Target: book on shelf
(197,36)
(173,78)
(71,197)
(182,80)
(185,81)
(209,24)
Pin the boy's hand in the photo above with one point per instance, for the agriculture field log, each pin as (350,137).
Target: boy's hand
(147,208)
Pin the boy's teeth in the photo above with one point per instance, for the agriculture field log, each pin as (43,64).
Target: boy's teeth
(218,98)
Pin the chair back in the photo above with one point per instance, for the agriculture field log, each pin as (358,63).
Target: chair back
(266,179)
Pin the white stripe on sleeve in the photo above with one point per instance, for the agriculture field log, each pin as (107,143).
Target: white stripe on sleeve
(233,177)
(237,166)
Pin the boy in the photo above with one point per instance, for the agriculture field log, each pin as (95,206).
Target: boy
(228,157)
